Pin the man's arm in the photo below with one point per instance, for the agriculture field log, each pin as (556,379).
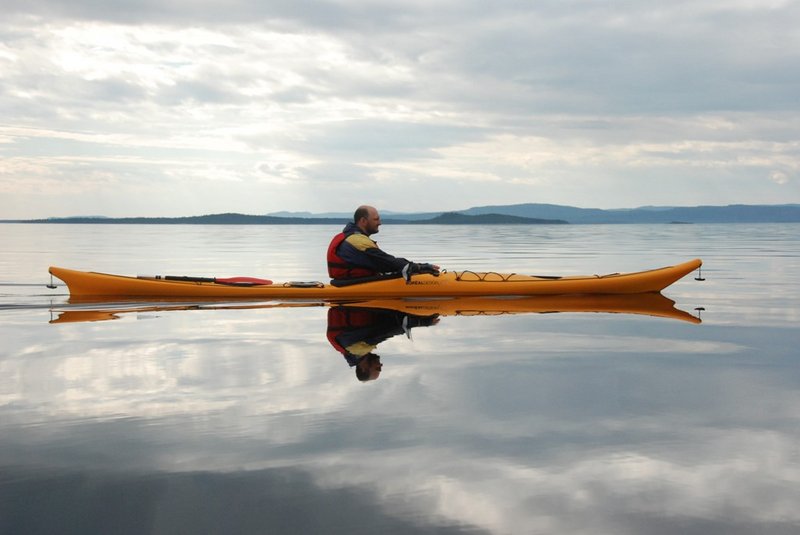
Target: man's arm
(362,251)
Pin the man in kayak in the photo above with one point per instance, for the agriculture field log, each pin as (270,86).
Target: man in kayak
(352,254)
(355,332)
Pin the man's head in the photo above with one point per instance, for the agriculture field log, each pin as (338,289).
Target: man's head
(369,368)
(367,219)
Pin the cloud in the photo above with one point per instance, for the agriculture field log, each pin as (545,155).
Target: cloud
(384,140)
(779,177)
(508,94)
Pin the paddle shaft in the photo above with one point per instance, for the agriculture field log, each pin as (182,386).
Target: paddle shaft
(232,281)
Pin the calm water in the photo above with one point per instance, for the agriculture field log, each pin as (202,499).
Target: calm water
(225,420)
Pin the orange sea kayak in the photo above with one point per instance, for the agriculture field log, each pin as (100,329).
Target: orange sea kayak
(648,304)
(447,284)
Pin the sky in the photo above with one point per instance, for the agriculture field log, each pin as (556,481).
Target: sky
(191,107)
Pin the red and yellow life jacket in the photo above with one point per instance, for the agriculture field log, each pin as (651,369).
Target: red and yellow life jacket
(344,319)
(338,268)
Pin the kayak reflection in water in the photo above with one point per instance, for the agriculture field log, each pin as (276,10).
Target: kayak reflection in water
(356,332)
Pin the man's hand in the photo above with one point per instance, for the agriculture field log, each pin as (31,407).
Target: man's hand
(428,268)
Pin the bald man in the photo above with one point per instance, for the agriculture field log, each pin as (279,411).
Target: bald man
(352,254)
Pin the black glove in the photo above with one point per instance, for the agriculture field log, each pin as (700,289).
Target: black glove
(422,321)
(427,268)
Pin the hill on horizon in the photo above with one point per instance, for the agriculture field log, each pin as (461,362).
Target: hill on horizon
(734,213)
(456,218)
(526,213)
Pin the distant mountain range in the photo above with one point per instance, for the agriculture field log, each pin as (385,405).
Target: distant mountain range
(737,213)
(549,213)
(451,218)
(455,218)
(527,214)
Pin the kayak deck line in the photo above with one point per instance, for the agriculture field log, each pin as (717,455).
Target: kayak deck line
(447,284)
(486,276)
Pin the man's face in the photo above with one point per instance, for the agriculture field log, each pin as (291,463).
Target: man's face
(374,366)
(372,222)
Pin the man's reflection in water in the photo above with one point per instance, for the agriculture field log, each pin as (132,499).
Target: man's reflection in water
(356,332)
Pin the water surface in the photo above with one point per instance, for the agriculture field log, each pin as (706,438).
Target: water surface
(216,418)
